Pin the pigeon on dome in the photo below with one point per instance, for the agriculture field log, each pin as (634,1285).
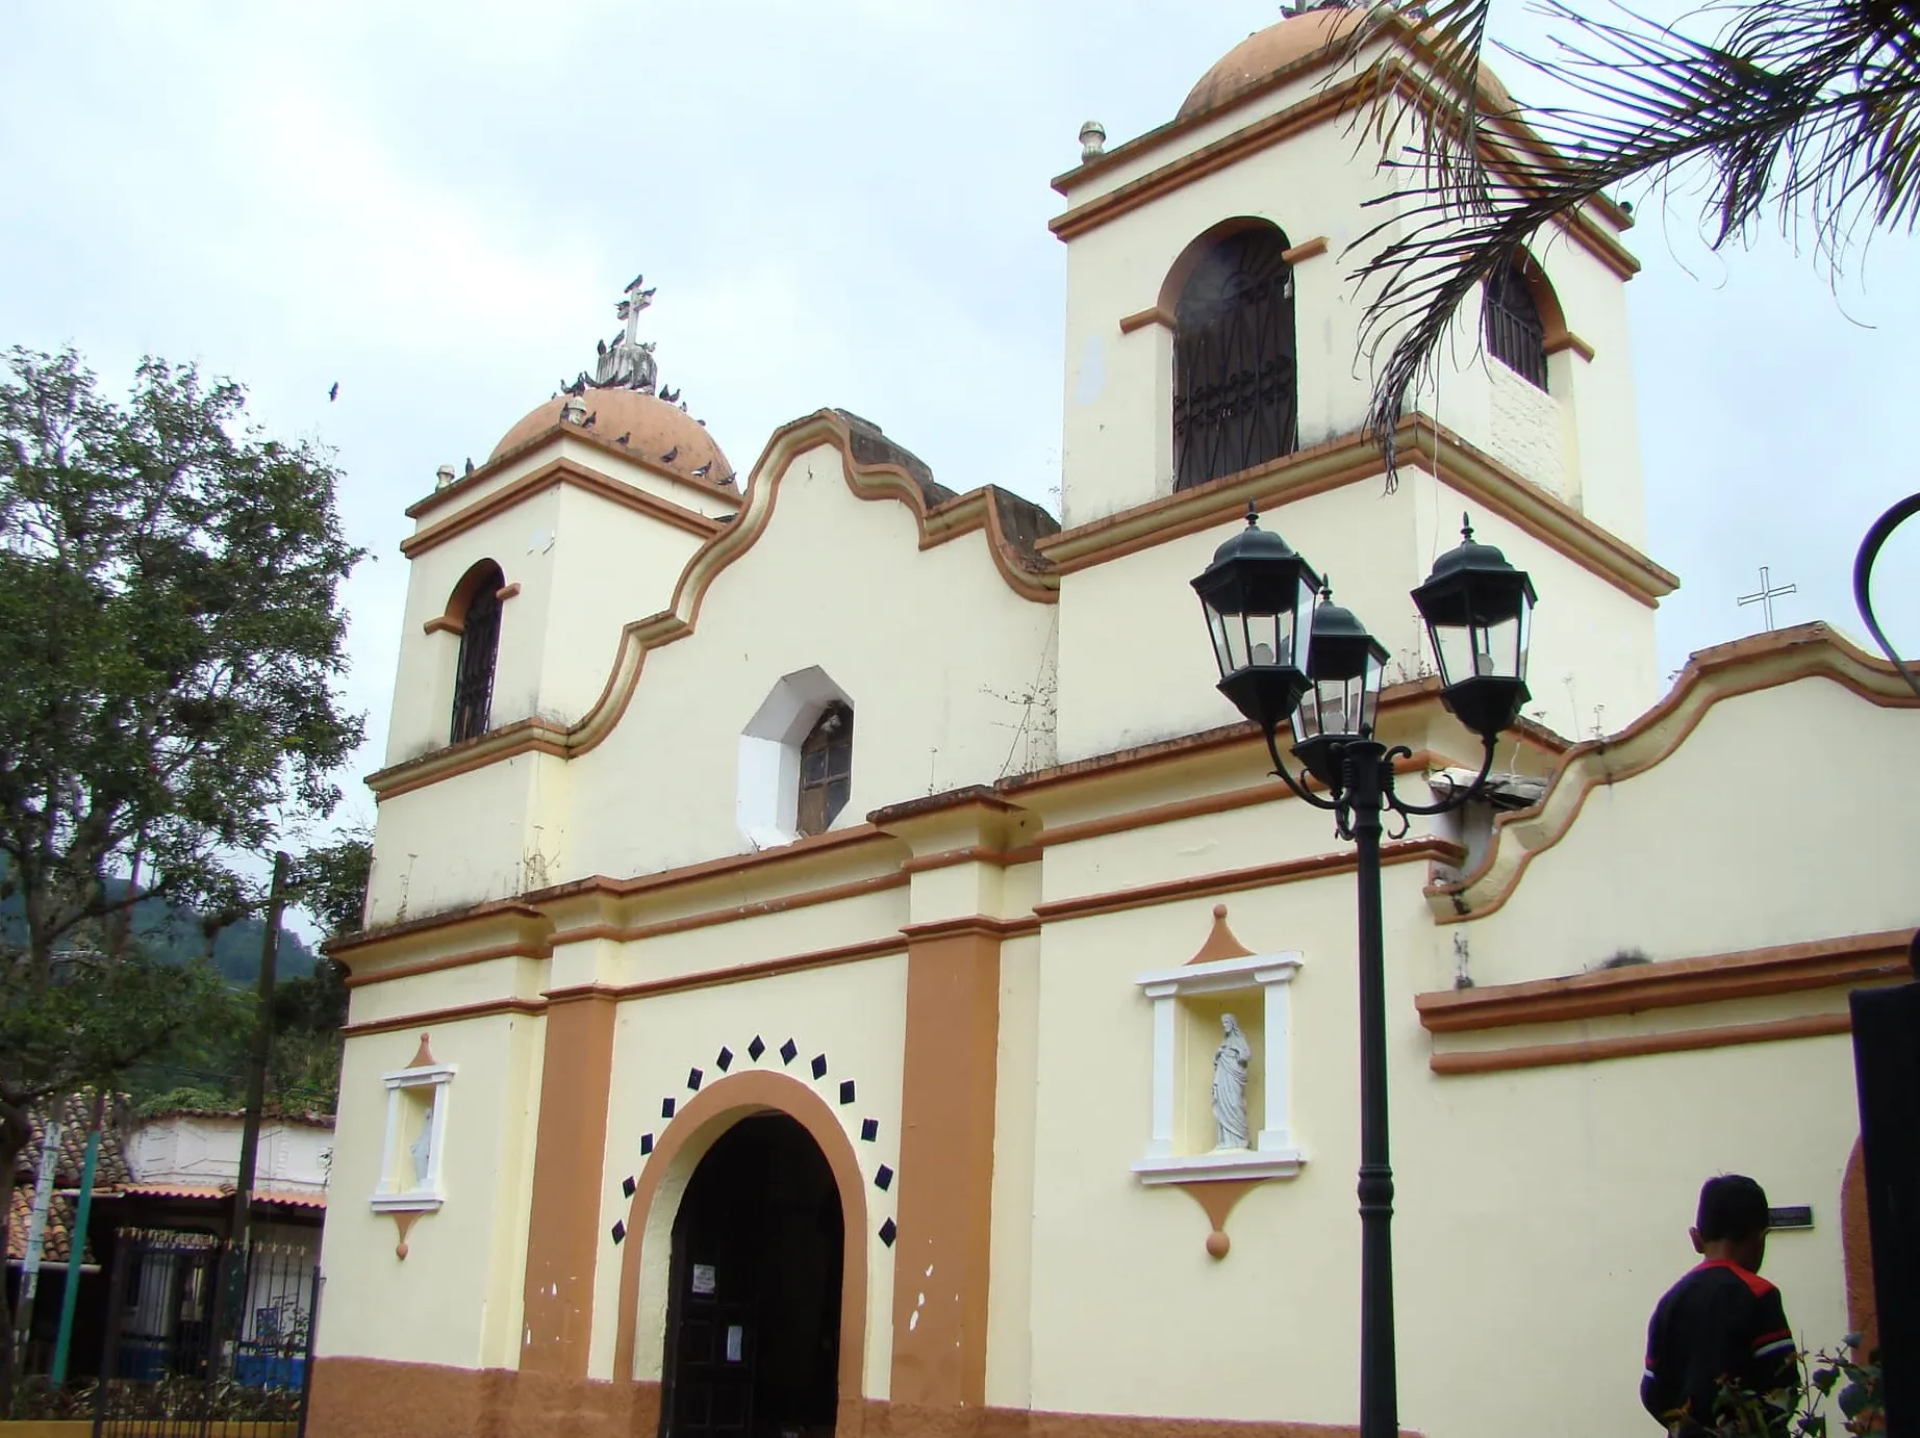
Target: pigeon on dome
(628,362)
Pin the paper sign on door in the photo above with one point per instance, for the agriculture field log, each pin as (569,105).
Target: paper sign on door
(735,1333)
(703,1278)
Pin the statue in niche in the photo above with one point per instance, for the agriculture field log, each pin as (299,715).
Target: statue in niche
(422,1149)
(1230,1064)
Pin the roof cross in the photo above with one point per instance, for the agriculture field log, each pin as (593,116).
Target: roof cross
(1768,592)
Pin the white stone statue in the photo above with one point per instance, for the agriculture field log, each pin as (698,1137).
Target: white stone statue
(1230,1063)
(422,1150)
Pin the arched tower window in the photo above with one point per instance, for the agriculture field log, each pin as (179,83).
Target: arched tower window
(1235,386)
(1516,335)
(826,770)
(479,649)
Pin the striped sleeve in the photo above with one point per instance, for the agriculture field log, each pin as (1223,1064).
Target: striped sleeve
(1774,1351)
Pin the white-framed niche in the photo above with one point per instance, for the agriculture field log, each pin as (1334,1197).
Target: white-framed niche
(413,1157)
(1187,1005)
(767,796)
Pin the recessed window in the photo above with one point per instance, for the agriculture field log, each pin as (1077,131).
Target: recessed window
(479,650)
(1515,334)
(826,770)
(1235,385)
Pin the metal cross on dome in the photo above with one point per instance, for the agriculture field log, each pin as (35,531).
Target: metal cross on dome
(1768,592)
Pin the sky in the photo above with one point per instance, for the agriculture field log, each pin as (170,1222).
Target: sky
(842,203)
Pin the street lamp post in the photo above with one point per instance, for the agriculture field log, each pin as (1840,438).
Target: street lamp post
(1288,654)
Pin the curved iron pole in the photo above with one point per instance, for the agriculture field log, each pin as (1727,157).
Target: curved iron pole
(1882,531)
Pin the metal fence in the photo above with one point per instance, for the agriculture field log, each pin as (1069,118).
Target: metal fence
(202,1342)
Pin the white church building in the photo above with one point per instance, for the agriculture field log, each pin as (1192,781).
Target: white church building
(793,1008)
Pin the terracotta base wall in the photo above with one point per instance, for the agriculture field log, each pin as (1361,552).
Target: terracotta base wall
(369,1398)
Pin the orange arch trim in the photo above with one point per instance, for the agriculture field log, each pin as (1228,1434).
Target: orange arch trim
(1189,259)
(709,1113)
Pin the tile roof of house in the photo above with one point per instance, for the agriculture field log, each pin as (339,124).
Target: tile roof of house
(292,1198)
(110,1173)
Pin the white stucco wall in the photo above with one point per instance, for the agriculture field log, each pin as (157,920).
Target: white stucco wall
(205,1149)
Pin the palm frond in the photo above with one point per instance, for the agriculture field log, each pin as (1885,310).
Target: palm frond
(1808,110)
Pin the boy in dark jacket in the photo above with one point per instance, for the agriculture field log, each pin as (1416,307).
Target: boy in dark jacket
(1722,1325)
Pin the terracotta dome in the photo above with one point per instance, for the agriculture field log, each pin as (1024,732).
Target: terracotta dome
(1267,51)
(654,430)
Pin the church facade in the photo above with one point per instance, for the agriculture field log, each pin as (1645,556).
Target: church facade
(792,1007)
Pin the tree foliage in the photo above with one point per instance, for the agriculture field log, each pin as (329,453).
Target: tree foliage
(172,639)
(1807,111)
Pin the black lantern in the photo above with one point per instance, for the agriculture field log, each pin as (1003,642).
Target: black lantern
(1345,665)
(1258,595)
(1478,609)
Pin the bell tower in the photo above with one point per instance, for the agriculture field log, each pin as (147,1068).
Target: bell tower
(1215,355)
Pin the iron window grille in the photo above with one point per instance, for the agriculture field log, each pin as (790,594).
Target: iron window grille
(1515,333)
(1235,379)
(479,648)
(826,770)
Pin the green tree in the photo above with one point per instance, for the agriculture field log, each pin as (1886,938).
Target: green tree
(172,639)
(1804,110)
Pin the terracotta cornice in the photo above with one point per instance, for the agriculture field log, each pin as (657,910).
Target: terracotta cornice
(732,913)
(467,483)
(1426,760)
(1586,1051)
(1501,137)
(761,969)
(525,923)
(459,960)
(1261,876)
(835,842)
(1671,983)
(428,1018)
(1186,747)
(1348,460)
(559,471)
(530,916)
(945,521)
(972,854)
(1762,661)
(980,924)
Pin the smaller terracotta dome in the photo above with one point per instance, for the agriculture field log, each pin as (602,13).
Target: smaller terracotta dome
(1266,51)
(662,434)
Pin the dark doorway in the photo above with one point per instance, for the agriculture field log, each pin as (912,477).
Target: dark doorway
(753,1322)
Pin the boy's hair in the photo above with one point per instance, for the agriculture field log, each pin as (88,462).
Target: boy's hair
(1731,1206)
